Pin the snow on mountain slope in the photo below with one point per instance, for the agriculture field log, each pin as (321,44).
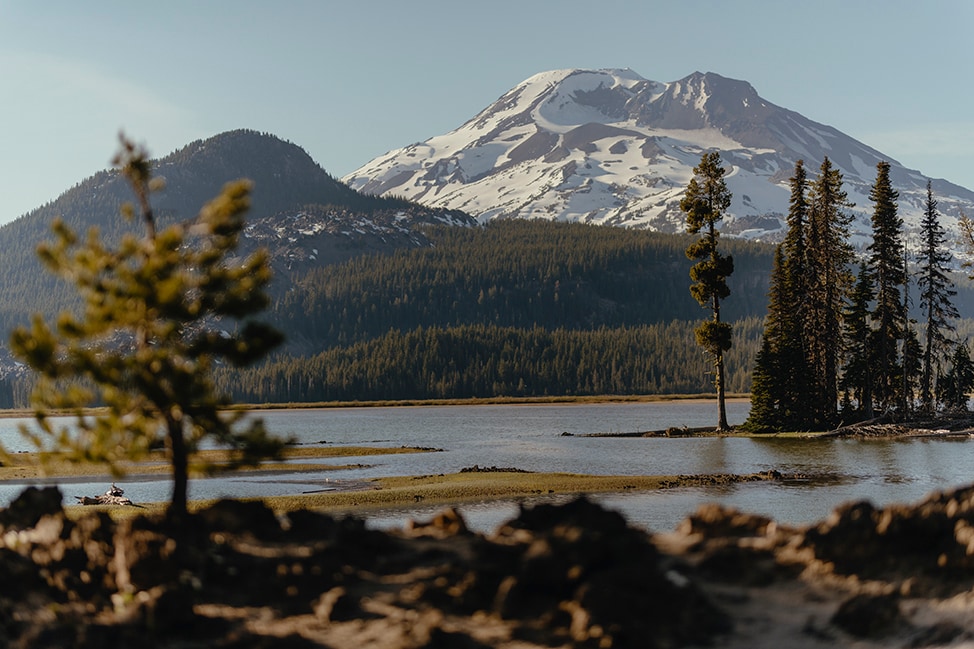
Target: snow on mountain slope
(610,147)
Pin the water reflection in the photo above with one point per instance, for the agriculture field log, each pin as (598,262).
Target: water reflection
(715,455)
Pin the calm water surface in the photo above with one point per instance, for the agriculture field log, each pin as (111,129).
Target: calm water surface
(530,437)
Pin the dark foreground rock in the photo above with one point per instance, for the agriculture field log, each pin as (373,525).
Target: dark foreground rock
(572,575)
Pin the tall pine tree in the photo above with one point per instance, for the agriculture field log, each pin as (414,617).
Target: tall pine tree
(779,392)
(828,284)
(705,202)
(769,385)
(936,293)
(857,373)
(793,348)
(887,266)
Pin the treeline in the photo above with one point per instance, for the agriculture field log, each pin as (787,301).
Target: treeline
(515,308)
(515,274)
(488,360)
(484,361)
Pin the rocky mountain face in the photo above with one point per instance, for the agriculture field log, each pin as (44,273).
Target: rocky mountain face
(610,147)
(317,235)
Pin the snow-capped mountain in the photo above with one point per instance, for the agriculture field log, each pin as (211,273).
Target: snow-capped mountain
(608,146)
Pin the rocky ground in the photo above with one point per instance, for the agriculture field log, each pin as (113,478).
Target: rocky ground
(575,575)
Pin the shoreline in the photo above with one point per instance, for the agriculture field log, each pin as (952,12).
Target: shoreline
(493,401)
(28,413)
(561,573)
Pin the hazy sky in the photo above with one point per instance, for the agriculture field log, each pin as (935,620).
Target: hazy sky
(350,80)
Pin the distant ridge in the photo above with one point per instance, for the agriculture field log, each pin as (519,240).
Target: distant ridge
(303,215)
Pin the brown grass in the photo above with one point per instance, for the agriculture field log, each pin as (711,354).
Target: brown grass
(439,489)
(460,487)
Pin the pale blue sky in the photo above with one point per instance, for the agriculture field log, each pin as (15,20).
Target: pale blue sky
(350,80)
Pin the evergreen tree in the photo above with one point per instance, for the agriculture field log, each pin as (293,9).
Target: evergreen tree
(953,388)
(936,293)
(156,315)
(779,394)
(828,282)
(765,415)
(792,348)
(769,408)
(705,202)
(857,372)
(912,366)
(796,239)
(888,268)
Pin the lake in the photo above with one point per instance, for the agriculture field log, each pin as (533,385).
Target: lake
(530,437)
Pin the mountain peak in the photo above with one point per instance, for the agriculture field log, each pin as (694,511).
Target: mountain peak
(715,86)
(703,100)
(284,175)
(610,146)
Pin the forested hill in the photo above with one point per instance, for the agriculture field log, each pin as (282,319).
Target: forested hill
(303,215)
(516,273)
(514,308)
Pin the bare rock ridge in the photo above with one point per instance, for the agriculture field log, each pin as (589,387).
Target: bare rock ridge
(608,146)
(569,575)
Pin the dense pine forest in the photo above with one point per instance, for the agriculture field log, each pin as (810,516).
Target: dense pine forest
(525,308)
(488,361)
(521,274)
(516,308)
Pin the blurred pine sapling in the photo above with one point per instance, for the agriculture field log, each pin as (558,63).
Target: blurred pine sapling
(160,308)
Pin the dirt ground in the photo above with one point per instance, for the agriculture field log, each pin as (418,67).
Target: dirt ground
(237,575)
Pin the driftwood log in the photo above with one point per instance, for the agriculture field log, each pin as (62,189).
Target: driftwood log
(949,424)
(114,496)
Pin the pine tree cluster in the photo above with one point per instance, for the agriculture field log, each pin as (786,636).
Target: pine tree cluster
(839,346)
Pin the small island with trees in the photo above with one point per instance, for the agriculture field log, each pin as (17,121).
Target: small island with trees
(839,346)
